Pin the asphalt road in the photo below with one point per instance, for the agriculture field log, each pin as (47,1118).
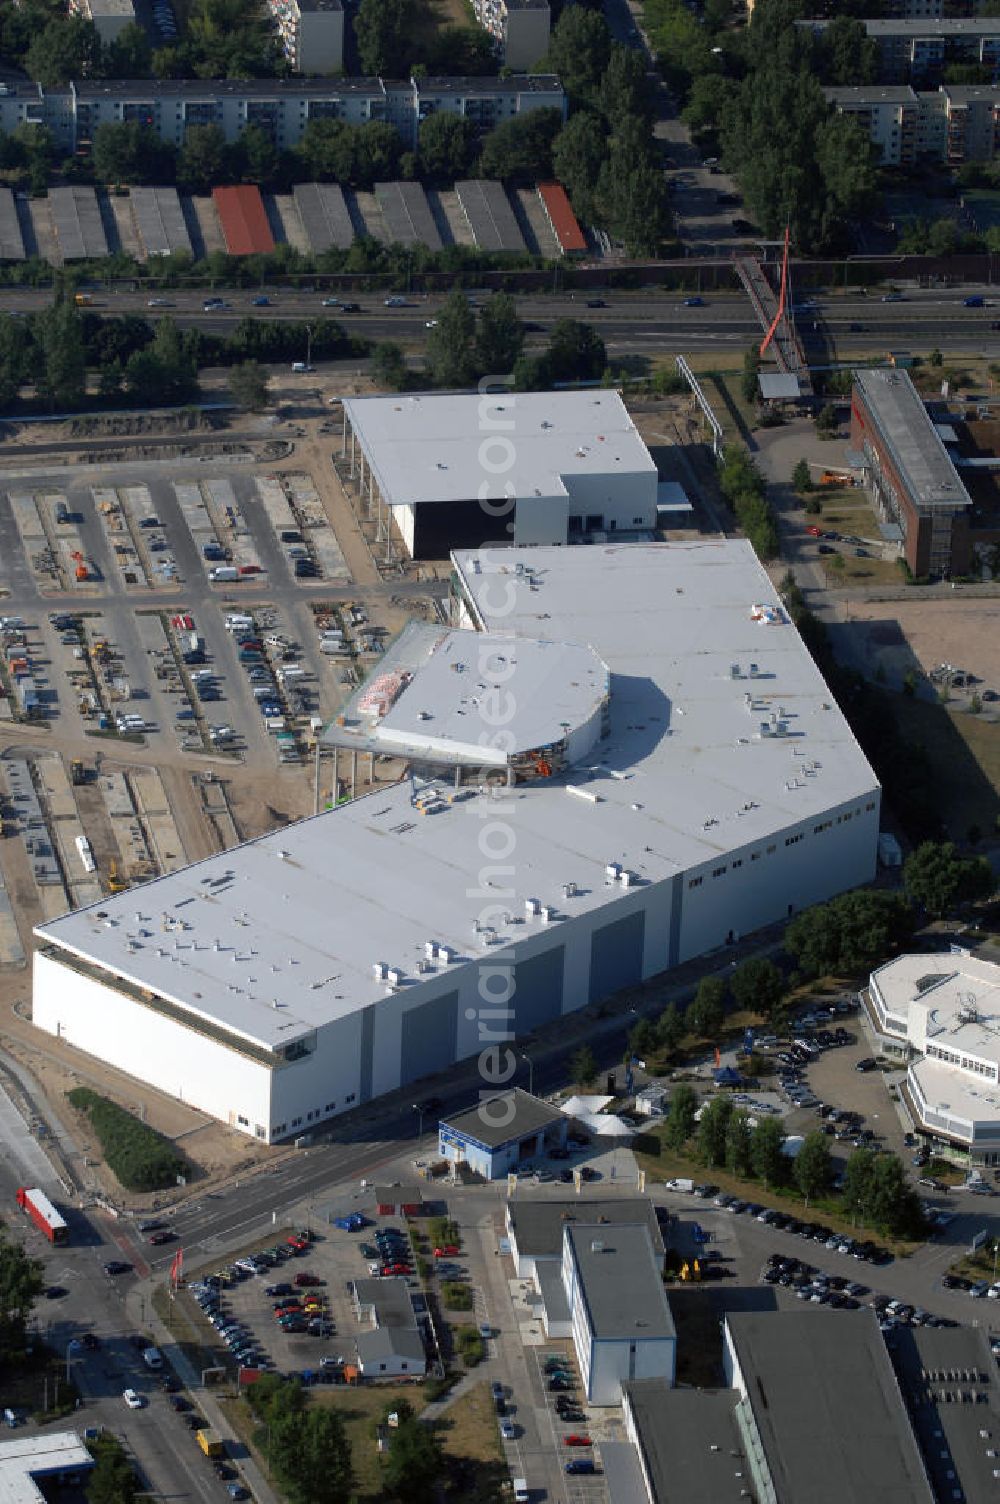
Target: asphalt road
(630,322)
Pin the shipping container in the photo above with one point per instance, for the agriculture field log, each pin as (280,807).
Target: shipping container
(44,1215)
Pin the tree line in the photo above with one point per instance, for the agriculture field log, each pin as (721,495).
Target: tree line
(148,364)
(875,1191)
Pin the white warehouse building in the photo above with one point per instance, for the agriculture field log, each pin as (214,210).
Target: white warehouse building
(462,470)
(696,780)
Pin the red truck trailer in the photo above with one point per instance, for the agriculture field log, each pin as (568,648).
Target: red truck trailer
(44,1215)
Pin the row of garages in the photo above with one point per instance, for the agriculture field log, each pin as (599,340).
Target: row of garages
(83,223)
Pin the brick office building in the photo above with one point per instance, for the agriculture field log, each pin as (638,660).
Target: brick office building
(913,481)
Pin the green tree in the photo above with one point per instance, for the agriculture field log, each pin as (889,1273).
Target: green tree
(680,1118)
(769,1159)
(710,96)
(895,1208)
(14,363)
(578,154)
(447,146)
(850,934)
(449,344)
(751,370)
(248,385)
(327,149)
(388,366)
(859,1180)
(631,194)
(65,49)
(579,52)
(848,56)
(124,152)
(202,160)
(384,33)
(520,149)
(129,55)
(713,1131)
(377,152)
(643,1040)
(499,336)
(583,1066)
(22,1280)
(625,93)
(112,1479)
(739,1145)
(938,878)
(813,1166)
(802,477)
(257,155)
(415,1463)
(228,39)
(757,985)
(707,1010)
(671,1029)
(58,333)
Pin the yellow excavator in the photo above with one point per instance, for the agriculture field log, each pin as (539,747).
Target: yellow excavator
(116,883)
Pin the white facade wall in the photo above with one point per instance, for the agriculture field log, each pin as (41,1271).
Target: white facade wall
(615,1362)
(618,499)
(193,1067)
(541,519)
(404,518)
(150,1046)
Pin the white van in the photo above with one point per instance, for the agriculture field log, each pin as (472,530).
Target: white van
(300,368)
(521,1495)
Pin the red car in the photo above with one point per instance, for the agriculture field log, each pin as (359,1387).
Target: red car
(293,1308)
(162,1237)
(574,1439)
(299,1244)
(815,532)
(305,1278)
(447,1251)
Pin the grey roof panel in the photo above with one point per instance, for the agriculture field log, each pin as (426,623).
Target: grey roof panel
(324,215)
(491,218)
(688,1440)
(621,1281)
(407,214)
(11,239)
(159,220)
(76,216)
(529,1115)
(537,1225)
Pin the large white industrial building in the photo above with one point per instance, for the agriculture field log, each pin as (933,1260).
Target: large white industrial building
(693,779)
(461,470)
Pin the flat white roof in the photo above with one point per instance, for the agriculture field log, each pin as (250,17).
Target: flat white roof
(437,684)
(960,992)
(275,937)
(446,447)
(970,1099)
(60,1451)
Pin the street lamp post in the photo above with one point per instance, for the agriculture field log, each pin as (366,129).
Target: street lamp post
(309,345)
(420,1119)
(71,1348)
(531,1073)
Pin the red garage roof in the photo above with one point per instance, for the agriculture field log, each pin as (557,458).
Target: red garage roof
(562,219)
(244,220)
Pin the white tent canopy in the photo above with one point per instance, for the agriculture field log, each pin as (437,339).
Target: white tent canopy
(607,1125)
(582,1107)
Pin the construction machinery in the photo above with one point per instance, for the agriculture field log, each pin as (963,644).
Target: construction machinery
(77,772)
(81,565)
(116,882)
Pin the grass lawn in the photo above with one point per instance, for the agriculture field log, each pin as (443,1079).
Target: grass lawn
(846,569)
(468,1431)
(964,754)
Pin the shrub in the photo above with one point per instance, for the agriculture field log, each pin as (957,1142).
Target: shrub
(456,1297)
(470,1345)
(141,1158)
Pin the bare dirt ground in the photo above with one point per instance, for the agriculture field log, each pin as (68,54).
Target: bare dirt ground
(964,633)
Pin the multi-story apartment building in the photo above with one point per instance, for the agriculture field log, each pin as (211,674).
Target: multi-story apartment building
(520,28)
(109,16)
(312,33)
(282,108)
(955,123)
(916,51)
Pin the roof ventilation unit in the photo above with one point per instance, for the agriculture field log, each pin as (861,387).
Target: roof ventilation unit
(548,914)
(569,890)
(430,949)
(734,671)
(754,670)
(446,954)
(612,872)
(532,907)
(380,970)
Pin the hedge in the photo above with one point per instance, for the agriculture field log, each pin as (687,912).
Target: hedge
(141,1158)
